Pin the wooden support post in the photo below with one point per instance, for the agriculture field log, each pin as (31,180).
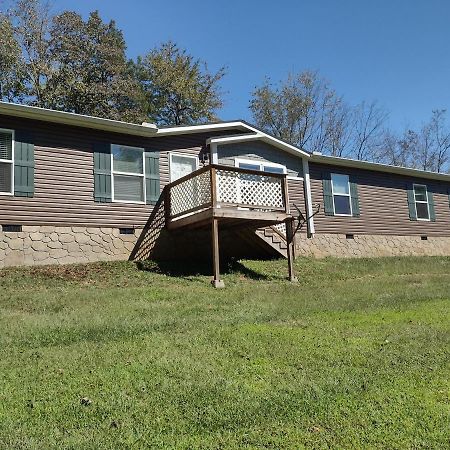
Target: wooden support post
(290,248)
(216,282)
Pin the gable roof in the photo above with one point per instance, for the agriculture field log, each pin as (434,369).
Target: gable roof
(258,136)
(151,130)
(253,133)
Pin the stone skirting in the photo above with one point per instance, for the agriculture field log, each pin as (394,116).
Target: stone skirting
(40,245)
(338,245)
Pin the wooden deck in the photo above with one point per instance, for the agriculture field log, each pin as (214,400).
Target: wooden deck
(223,196)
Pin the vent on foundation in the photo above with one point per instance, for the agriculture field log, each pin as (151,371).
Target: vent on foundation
(11,228)
(349,236)
(424,238)
(126,230)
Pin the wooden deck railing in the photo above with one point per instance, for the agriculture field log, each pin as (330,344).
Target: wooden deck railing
(218,186)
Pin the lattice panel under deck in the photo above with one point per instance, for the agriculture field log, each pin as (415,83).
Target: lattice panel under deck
(190,194)
(248,189)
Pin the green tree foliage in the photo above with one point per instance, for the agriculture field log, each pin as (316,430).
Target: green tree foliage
(12,71)
(92,74)
(65,63)
(62,62)
(179,89)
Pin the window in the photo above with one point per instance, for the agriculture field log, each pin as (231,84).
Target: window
(182,165)
(421,201)
(128,174)
(6,162)
(261,166)
(340,185)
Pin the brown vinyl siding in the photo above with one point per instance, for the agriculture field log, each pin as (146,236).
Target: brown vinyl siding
(383,204)
(64,181)
(296,196)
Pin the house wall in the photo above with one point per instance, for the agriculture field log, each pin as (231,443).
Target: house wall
(64,183)
(61,223)
(383,205)
(384,227)
(259,151)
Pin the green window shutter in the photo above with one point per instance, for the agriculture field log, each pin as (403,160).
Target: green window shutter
(431,206)
(102,172)
(23,166)
(411,202)
(327,194)
(354,198)
(152,177)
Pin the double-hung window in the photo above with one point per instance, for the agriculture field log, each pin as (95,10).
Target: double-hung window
(128,174)
(340,185)
(421,202)
(6,162)
(261,166)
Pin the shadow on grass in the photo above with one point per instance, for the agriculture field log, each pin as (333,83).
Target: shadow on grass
(188,269)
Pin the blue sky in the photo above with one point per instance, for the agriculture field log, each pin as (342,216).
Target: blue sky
(394,51)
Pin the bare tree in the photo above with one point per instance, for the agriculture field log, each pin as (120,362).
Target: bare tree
(424,152)
(368,130)
(441,135)
(302,110)
(338,131)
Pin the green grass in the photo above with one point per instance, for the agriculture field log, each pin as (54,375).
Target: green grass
(110,356)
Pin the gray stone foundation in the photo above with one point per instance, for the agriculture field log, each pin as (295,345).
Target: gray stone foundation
(41,245)
(322,245)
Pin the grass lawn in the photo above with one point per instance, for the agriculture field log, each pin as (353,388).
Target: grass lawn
(108,356)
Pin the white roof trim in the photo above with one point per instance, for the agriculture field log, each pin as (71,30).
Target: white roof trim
(258,136)
(346,162)
(189,129)
(79,120)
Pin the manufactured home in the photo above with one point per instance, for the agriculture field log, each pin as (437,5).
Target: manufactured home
(76,188)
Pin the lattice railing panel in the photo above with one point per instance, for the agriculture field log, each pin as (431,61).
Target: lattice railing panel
(248,189)
(190,194)
(281,228)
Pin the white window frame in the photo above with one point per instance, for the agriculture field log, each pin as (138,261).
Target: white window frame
(11,132)
(261,164)
(421,201)
(183,155)
(342,195)
(116,172)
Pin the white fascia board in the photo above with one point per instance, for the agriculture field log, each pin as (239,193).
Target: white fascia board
(258,136)
(346,162)
(78,120)
(224,140)
(172,131)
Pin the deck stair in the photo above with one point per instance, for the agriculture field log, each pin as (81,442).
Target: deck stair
(272,237)
(233,198)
